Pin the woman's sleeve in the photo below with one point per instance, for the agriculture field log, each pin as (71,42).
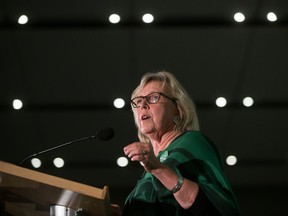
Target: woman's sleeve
(203,206)
(198,160)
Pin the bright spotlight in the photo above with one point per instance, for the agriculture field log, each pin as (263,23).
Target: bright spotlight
(221,102)
(58,162)
(231,160)
(114,18)
(148,18)
(239,17)
(271,17)
(119,103)
(248,101)
(122,161)
(17,104)
(23,19)
(36,162)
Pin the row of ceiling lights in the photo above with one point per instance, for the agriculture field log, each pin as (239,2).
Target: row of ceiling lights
(119,103)
(59,162)
(123,161)
(149,18)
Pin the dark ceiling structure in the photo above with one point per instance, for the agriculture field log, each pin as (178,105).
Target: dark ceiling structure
(69,63)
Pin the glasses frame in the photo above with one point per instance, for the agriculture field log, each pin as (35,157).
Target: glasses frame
(134,105)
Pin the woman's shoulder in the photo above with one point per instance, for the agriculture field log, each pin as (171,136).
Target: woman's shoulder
(194,137)
(195,141)
(195,144)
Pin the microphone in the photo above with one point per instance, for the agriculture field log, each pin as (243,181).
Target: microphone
(103,135)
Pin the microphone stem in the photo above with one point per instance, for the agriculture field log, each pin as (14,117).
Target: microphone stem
(56,147)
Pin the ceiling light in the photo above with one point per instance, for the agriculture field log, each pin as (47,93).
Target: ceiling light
(17,104)
(221,101)
(239,17)
(231,160)
(248,101)
(23,19)
(148,18)
(114,18)
(271,17)
(119,103)
(58,162)
(36,162)
(122,161)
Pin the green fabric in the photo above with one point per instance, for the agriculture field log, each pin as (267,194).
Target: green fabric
(194,156)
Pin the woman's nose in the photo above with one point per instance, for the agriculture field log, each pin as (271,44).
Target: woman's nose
(144,104)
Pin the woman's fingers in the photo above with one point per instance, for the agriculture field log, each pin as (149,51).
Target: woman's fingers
(137,151)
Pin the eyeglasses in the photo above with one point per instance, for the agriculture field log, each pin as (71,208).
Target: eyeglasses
(151,98)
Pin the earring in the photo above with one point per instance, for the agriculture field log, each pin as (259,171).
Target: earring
(176,119)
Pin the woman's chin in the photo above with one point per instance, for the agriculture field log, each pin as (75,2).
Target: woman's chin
(147,130)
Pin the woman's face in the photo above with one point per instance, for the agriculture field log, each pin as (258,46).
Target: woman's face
(155,119)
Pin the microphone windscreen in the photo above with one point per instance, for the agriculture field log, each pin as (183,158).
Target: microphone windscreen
(105,134)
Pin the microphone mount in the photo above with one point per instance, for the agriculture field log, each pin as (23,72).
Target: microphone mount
(103,135)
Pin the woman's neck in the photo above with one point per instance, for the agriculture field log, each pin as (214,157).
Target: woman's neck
(165,140)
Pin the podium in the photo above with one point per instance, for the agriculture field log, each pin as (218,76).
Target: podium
(28,192)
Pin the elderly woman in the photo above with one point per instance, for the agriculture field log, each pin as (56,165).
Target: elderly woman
(183,169)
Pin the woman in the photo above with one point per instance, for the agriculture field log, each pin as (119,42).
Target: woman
(183,169)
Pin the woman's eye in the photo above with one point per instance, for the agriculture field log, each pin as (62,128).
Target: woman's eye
(153,98)
(138,101)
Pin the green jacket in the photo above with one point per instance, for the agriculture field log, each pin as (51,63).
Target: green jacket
(195,157)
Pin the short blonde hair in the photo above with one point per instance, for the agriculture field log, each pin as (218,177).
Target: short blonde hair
(188,119)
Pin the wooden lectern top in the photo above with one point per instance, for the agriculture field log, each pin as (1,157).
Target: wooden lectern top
(28,192)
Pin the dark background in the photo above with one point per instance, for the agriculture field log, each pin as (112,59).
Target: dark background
(68,64)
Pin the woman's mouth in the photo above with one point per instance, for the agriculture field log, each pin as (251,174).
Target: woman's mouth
(144,117)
